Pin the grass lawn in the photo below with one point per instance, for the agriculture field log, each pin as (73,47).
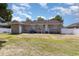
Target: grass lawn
(39,44)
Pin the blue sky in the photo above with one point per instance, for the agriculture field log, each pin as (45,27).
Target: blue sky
(68,11)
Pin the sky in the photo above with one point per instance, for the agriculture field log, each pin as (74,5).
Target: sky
(68,11)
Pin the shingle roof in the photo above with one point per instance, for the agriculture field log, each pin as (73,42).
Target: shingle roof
(43,22)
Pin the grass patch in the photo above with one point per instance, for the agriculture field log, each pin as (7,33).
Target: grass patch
(40,44)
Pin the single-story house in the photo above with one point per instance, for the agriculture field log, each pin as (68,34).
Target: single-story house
(45,26)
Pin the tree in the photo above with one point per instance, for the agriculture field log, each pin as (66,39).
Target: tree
(58,18)
(40,18)
(28,19)
(3,6)
(5,13)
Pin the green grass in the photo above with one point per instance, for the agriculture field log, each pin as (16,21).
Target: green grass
(40,44)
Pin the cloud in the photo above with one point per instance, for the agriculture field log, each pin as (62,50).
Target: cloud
(41,17)
(16,18)
(52,17)
(16,8)
(66,11)
(74,8)
(26,15)
(29,12)
(25,5)
(77,15)
(62,10)
(20,11)
(44,5)
(69,3)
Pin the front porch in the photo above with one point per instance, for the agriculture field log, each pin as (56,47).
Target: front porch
(40,28)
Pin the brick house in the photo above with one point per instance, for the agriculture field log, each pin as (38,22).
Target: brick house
(46,26)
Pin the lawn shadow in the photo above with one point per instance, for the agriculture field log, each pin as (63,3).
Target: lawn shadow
(1,43)
(13,34)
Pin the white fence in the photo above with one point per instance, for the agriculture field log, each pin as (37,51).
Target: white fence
(70,31)
(5,30)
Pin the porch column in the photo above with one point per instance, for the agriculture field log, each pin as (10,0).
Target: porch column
(46,28)
(20,29)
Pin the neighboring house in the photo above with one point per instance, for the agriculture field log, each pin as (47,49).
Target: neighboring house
(3,26)
(1,22)
(74,25)
(46,26)
(71,29)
